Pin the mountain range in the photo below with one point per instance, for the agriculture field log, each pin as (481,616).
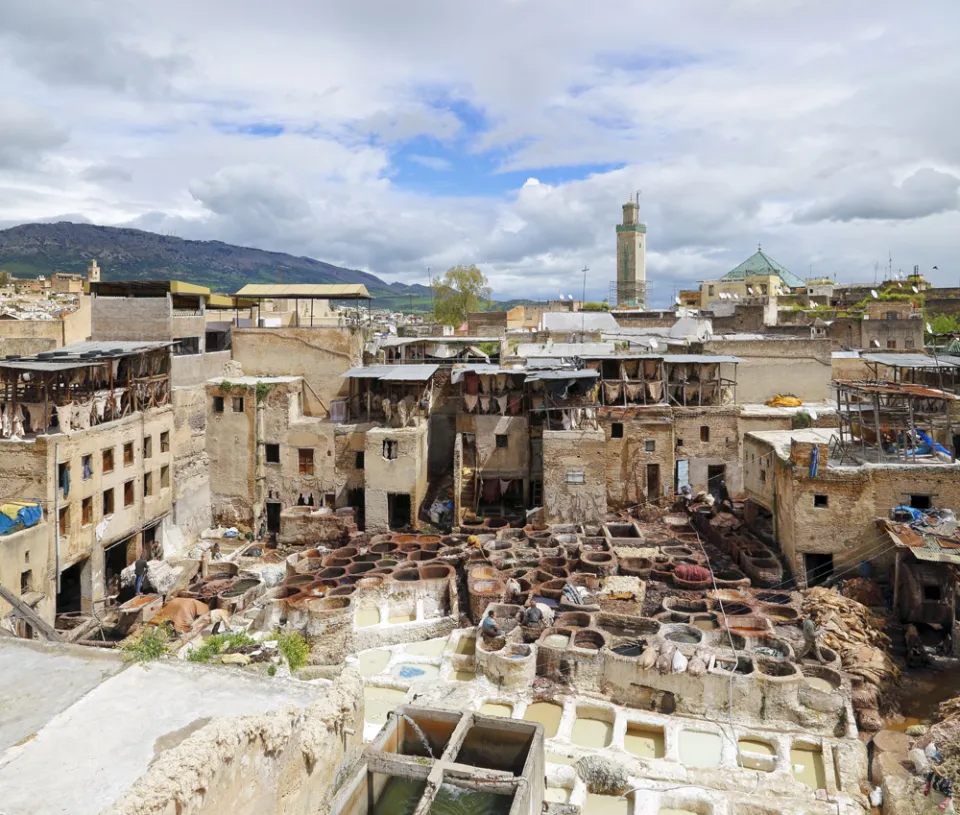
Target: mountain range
(29,250)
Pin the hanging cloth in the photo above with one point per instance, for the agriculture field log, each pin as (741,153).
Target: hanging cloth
(634,391)
(65,481)
(484,404)
(18,423)
(515,402)
(611,392)
(655,390)
(471,384)
(502,404)
(567,422)
(504,486)
(470,402)
(5,423)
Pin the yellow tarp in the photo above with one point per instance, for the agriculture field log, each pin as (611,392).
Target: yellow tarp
(13,507)
(784,401)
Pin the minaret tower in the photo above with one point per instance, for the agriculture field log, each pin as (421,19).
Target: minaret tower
(632,257)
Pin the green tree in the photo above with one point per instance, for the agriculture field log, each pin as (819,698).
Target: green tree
(4,277)
(944,324)
(461,290)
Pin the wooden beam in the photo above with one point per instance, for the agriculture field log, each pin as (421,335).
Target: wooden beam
(24,612)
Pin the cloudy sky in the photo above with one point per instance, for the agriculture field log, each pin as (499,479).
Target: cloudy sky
(394,136)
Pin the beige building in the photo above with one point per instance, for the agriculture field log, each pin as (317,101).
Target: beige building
(93,446)
(759,276)
(820,491)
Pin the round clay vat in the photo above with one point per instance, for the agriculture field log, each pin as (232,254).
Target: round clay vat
(552,589)
(287,592)
(667,617)
(346,591)
(345,551)
(449,552)
(574,619)
(487,587)
(517,652)
(367,557)
(491,645)
(781,615)
(780,598)
(780,647)
(361,568)
(429,540)
(337,562)
(384,548)
(437,571)
(420,555)
(682,633)
(683,606)
(740,664)
(371,581)
(406,539)
(407,547)
(724,638)
(406,575)
(299,580)
(498,545)
(330,606)
(380,540)
(557,572)
(331,573)
(773,670)
(312,553)
(734,609)
(632,627)
(731,579)
(386,563)
(309,565)
(589,639)
(636,566)
(603,560)
(453,540)
(516,535)
(496,522)
(554,632)
(677,551)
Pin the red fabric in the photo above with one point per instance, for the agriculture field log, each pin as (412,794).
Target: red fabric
(691,573)
(471,384)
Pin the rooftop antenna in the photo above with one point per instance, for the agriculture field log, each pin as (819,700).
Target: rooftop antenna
(583,313)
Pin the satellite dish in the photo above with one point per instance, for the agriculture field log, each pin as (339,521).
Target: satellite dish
(915,290)
(749,290)
(812,414)
(899,285)
(873,294)
(654,345)
(874,343)
(676,300)
(929,328)
(736,296)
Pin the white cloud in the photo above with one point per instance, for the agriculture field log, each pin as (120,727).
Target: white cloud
(823,129)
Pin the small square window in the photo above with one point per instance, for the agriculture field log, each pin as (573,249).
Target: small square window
(218,404)
(389,449)
(820,501)
(908,344)
(148,446)
(128,496)
(679,443)
(164,476)
(616,430)
(86,511)
(148,483)
(305,456)
(359,462)
(931,594)
(86,467)
(108,502)
(165,441)
(650,446)
(273,453)
(576,477)
(891,345)
(502,440)
(238,404)
(704,433)
(108,460)
(128,454)
(920,502)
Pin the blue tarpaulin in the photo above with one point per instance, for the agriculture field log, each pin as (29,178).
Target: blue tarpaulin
(24,515)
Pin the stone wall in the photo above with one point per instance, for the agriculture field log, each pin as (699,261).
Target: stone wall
(708,437)
(628,457)
(194,369)
(132,318)
(191,472)
(319,355)
(284,762)
(567,454)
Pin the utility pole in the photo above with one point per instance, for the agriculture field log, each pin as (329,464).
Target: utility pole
(583,300)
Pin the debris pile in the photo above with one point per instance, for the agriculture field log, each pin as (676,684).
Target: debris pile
(857,635)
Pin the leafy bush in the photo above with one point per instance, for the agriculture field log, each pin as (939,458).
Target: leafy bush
(220,644)
(149,646)
(295,648)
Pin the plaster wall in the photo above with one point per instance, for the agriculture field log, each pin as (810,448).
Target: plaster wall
(514,458)
(800,367)
(195,369)
(567,452)
(191,471)
(720,445)
(319,355)
(29,551)
(349,439)
(406,474)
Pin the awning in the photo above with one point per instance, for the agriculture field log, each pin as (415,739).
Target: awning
(393,373)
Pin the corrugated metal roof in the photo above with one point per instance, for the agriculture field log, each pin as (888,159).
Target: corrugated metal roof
(483,369)
(393,373)
(317,291)
(577,321)
(914,360)
(70,356)
(930,549)
(564,350)
(563,373)
(705,359)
